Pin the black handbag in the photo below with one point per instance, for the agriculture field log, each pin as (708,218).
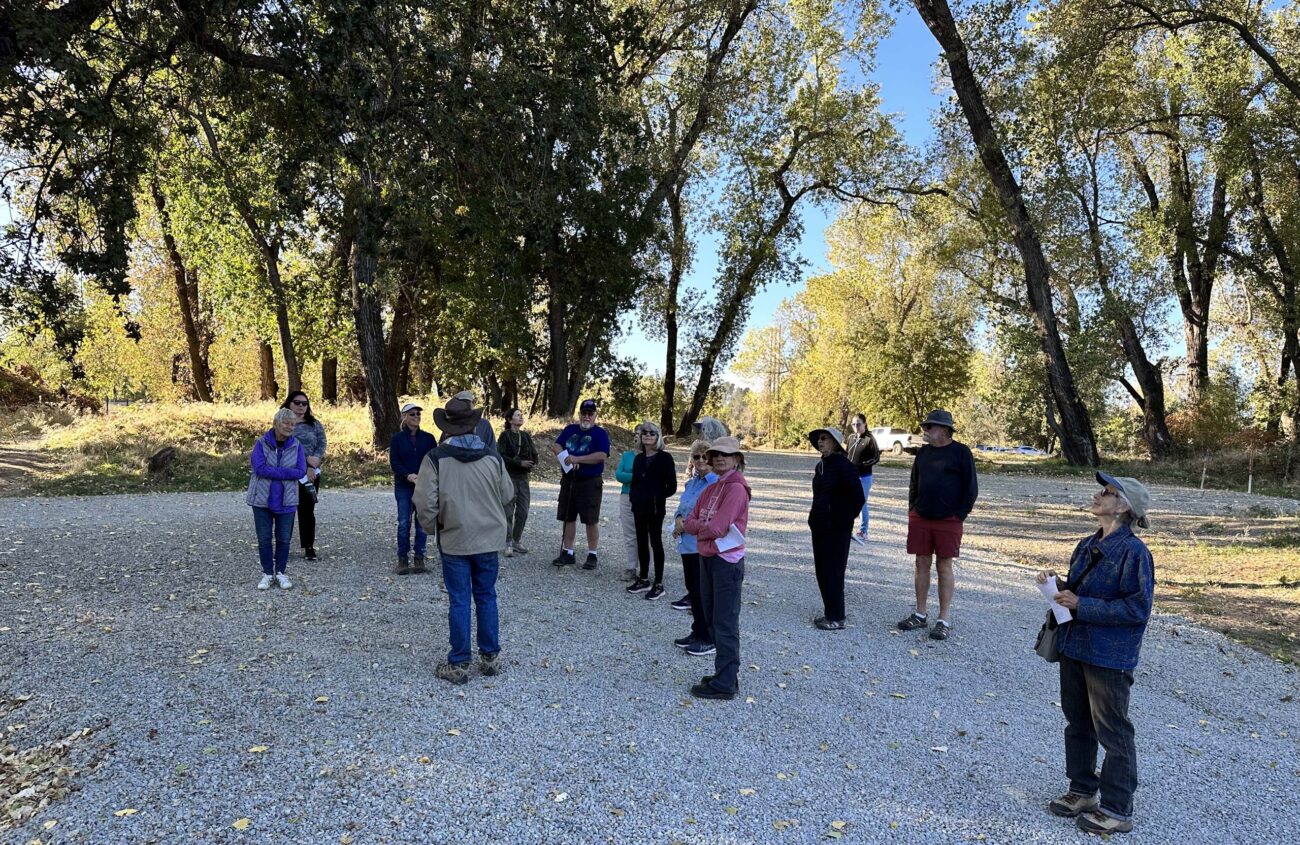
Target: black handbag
(1045,644)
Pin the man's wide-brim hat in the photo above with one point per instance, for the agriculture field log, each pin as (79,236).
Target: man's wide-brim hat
(459,417)
(724,446)
(939,417)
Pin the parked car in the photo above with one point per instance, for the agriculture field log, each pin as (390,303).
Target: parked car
(1027,450)
(897,440)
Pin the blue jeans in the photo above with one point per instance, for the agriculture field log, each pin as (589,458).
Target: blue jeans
(720,592)
(866,497)
(1095,702)
(476,576)
(282,526)
(405,493)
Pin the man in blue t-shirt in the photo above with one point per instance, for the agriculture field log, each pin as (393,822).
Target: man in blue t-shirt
(584,447)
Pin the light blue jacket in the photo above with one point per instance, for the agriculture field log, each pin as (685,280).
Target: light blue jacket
(624,471)
(687,544)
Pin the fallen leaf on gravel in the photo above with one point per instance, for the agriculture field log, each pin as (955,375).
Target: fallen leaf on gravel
(615,811)
(453,732)
(753,667)
(914,652)
(749,699)
(258,749)
(781,776)
(321,699)
(898,695)
(939,748)
(345,839)
(423,761)
(781,686)
(784,824)
(748,792)
(129,811)
(838,825)
(824,747)
(731,811)
(241,824)
(852,767)
(50,824)
(561,796)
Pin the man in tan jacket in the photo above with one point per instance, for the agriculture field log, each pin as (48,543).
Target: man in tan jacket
(461,493)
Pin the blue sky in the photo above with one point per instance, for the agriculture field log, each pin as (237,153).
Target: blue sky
(905,73)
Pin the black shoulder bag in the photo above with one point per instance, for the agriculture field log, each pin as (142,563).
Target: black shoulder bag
(1045,645)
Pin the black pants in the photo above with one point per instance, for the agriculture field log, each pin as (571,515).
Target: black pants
(699,610)
(720,592)
(1094,700)
(307,517)
(830,558)
(650,537)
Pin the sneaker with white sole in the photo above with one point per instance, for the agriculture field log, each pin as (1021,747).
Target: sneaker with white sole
(859,538)
(510,551)
(683,603)
(283,581)
(656,592)
(699,649)
(265,583)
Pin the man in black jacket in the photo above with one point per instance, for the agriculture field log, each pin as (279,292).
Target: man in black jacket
(940,497)
(837,499)
(405,453)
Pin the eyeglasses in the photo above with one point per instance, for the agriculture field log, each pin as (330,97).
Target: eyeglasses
(1109,492)
(298,402)
(648,434)
(413,413)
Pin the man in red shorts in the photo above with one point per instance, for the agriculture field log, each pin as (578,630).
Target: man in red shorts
(939,499)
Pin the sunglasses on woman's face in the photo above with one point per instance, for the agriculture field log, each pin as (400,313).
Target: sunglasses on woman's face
(699,457)
(298,402)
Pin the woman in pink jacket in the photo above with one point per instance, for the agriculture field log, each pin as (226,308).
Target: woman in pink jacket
(718,522)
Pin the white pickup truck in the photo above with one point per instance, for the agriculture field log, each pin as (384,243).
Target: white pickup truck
(897,440)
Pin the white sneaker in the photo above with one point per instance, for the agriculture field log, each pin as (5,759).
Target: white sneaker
(283,581)
(265,583)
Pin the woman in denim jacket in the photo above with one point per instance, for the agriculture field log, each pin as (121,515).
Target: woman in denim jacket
(1109,591)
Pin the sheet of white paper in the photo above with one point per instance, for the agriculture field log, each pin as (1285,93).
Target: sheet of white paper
(563,458)
(1049,591)
(732,539)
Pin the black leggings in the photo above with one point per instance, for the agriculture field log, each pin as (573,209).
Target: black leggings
(650,536)
(691,571)
(307,517)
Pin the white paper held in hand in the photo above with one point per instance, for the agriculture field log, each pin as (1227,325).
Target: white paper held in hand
(732,539)
(563,458)
(1049,591)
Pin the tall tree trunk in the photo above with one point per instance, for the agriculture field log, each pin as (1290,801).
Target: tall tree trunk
(677,267)
(557,395)
(1196,262)
(329,379)
(266,361)
(268,246)
(1151,400)
(1078,443)
(186,298)
(367,313)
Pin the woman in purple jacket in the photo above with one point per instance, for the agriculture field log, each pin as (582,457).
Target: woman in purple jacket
(278,462)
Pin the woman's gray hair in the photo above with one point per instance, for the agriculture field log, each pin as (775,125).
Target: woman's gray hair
(284,415)
(651,427)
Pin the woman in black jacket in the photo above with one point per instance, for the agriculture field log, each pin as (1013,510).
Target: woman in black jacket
(654,479)
(516,449)
(837,500)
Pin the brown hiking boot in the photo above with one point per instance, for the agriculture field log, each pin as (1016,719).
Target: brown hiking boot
(1095,821)
(490,664)
(1072,804)
(418,567)
(456,673)
(403,567)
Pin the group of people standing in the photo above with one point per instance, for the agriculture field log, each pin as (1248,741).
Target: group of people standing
(472,491)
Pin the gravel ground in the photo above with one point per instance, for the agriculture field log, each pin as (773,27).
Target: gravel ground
(314,715)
